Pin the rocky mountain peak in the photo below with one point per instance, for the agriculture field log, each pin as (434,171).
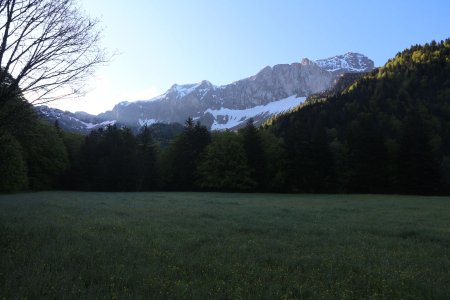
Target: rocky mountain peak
(307,62)
(265,71)
(182,90)
(349,62)
(205,83)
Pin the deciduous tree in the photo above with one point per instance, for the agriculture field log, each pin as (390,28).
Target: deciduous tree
(48,49)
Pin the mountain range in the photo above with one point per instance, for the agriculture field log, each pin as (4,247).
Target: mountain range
(272,91)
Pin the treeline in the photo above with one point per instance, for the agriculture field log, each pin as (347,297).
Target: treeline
(113,159)
(388,132)
(35,155)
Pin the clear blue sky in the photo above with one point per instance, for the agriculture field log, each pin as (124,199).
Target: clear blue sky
(162,42)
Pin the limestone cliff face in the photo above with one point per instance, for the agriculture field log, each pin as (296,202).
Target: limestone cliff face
(274,83)
(272,90)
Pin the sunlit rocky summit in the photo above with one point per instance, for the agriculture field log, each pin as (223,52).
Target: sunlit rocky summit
(271,91)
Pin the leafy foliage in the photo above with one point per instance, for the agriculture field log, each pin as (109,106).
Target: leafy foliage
(254,153)
(224,165)
(108,160)
(31,144)
(181,158)
(13,168)
(146,159)
(46,155)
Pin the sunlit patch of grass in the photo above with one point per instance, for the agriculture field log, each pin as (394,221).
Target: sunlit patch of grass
(212,245)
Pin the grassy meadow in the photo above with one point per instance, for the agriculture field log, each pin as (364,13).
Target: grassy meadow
(222,246)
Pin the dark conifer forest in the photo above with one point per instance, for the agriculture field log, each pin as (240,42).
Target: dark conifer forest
(384,132)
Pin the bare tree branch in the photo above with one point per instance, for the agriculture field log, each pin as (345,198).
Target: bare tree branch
(48,49)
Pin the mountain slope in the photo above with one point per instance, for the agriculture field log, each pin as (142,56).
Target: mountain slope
(205,102)
(230,106)
(72,122)
(388,132)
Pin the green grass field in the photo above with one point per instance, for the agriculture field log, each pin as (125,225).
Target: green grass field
(212,245)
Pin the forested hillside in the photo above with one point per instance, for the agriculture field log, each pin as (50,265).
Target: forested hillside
(387,131)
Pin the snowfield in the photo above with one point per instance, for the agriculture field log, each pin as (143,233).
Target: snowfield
(148,122)
(235,117)
(98,125)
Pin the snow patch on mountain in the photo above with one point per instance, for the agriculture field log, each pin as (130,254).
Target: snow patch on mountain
(179,91)
(98,125)
(148,122)
(184,89)
(87,125)
(350,62)
(225,118)
(73,122)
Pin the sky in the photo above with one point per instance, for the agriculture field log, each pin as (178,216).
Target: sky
(162,42)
